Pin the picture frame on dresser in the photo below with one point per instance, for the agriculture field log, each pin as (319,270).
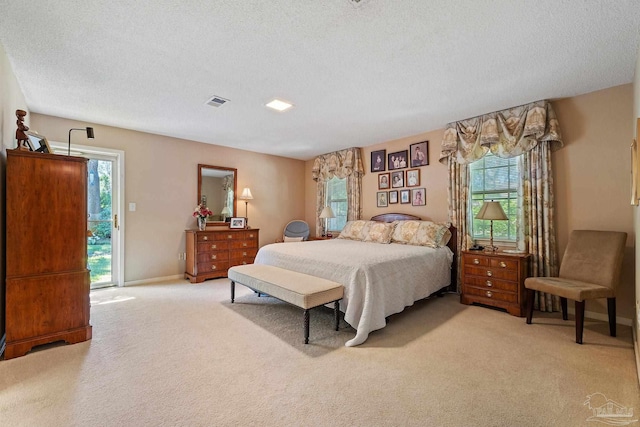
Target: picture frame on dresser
(38,143)
(238,222)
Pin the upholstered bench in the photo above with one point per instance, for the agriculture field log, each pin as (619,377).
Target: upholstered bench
(295,288)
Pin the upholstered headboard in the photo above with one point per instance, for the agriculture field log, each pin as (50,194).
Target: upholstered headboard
(453,242)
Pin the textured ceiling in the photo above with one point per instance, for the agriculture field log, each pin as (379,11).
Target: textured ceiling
(358,75)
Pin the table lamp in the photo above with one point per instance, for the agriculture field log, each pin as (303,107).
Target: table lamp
(491,211)
(326,213)
(246,196)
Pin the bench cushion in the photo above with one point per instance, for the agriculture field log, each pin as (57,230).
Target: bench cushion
(295,288)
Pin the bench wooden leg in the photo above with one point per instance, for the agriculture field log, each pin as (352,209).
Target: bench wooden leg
(233,291)
(306,326)
(336,312)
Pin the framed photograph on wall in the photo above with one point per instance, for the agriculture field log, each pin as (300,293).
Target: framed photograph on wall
(419,197)
(405,196)
(397,179)
(383,202)
(398,160)
(419,154)
(38,143)
(393,196)
(378,160)
(238,222)
(413,178)
(383,181)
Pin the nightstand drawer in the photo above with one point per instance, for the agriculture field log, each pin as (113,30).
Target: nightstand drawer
(491,283)
(478,260)
(506,264)
(496,273)
(492,294)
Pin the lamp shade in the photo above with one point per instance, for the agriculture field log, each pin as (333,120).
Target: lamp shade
(327,212)
(492,211)
(246,194)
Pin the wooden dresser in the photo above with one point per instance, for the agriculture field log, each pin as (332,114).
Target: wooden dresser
(47,283)
(495,279)
(211,253)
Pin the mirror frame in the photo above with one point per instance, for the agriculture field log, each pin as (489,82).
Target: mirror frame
(235,189)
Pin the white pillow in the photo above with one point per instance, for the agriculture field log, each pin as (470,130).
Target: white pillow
(293,239)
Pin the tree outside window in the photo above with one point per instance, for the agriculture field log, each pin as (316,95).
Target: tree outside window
(497,179)
(336,197)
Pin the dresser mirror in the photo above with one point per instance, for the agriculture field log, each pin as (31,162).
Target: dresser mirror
(217,191)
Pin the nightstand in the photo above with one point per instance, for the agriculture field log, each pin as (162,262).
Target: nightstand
(320,238)
(495,279)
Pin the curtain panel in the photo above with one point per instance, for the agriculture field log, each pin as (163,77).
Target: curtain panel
(342,164)
(530,131)
(506,133)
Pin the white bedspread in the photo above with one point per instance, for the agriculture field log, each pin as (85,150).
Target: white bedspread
(379,279)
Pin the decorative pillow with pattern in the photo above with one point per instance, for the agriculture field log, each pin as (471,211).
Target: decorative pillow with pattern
(353,230)
(379,232)
(421,233)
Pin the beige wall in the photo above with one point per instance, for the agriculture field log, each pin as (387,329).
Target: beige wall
(636,211)
(11,99)
(161,178)
(591,177)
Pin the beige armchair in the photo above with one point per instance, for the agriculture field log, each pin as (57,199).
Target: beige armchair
(590,269)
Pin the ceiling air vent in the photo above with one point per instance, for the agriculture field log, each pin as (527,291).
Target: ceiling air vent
(217,101)
(357,3)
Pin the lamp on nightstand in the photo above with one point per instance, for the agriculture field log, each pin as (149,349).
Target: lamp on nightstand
(326,213)
(492,211)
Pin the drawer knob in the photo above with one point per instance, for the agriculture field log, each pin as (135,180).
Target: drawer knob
(244,262)
(476,261)
(489,294)
(244,254)
(229,236)
(489,273)
(251,235)
(213,267)
(214,256)
(214,246)
(244,244)
(489,284)
(503,264)
(205,237)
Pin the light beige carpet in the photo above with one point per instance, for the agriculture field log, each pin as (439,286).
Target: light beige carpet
(179,354)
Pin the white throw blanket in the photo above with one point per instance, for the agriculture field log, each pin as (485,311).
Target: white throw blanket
(379,279)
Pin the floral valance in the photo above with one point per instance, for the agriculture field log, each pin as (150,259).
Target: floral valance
(341,163)
(506,133)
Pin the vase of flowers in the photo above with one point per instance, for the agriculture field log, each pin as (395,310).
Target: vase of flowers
(201,213)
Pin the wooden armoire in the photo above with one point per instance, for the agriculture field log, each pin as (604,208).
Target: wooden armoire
(47,282)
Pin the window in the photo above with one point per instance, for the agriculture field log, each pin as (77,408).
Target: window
(336,194)
(494,178)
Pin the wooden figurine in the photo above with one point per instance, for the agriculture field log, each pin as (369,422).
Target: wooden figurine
(21,136)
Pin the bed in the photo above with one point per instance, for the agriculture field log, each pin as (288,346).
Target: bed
(379,279)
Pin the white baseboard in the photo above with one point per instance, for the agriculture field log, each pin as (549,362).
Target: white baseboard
(601,316)
(154,280)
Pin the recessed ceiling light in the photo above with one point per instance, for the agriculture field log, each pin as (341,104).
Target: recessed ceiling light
(279,105)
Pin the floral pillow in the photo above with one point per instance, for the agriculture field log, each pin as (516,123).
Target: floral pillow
(379,232)
(353,230)
(421,233)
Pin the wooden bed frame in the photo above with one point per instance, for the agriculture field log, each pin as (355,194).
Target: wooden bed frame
(453,243)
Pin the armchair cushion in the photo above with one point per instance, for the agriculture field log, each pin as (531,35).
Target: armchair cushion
(567,288)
